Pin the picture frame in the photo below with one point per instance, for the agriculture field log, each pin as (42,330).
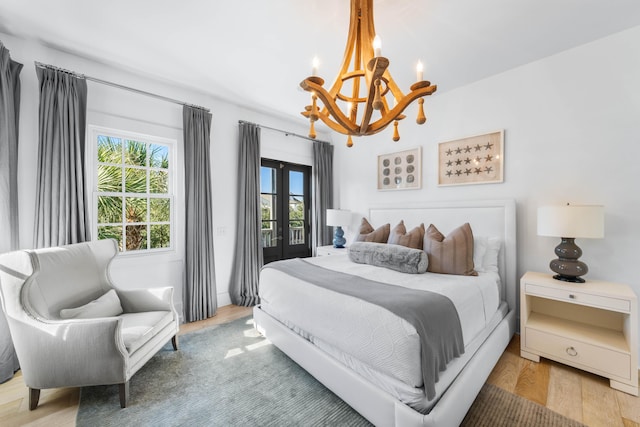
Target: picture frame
(401,170)
(477,159)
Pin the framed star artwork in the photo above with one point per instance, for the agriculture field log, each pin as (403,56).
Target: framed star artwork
(401,170)
(472,160)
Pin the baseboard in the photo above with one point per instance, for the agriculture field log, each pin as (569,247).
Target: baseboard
(224,299)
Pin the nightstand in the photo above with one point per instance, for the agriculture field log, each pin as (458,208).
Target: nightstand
(330,250)
(591,326)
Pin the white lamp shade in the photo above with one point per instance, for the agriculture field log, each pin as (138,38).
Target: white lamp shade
(571,221)
(338,217)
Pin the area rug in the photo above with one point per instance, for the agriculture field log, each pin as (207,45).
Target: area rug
(495,407)
(228,375)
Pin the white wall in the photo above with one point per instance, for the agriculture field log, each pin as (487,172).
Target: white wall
(572,134)
(120,109)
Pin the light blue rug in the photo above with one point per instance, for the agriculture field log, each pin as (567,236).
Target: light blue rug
(227,375)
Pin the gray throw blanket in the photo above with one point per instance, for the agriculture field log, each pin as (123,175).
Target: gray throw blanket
(434,316)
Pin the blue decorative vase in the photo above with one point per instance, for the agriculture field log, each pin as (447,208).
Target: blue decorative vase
(338,238)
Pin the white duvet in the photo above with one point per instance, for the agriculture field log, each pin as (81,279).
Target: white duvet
(367,337)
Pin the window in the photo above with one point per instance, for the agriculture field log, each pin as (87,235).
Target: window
(134,190)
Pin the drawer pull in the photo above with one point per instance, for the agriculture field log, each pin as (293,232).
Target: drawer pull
(572,296)
(572,351)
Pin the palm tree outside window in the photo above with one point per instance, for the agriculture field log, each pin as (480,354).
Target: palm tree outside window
(134,201)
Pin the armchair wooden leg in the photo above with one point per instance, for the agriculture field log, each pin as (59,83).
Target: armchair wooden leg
(34,397)
(124,394)
(174,342)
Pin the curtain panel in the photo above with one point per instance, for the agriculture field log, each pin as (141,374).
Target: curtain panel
(200,300)
(323,191)
(9,118)
(243,288)
(61,196)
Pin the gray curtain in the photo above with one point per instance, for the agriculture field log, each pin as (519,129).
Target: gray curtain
(200,301)
(61,195)
(9,114)
(248,261)
(323,191)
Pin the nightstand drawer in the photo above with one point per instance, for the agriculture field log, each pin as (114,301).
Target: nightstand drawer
(606,361)
(578,297)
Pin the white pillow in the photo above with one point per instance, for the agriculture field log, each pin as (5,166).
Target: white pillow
(490,261)
(485,253)
(480,244)
(108,305)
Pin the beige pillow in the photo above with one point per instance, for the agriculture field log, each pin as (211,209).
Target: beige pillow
(108,305)
(452,254)
(413,239)
(368,234)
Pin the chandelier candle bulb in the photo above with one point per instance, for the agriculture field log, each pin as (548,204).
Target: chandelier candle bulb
(314,66)
(377,46)
(419,71)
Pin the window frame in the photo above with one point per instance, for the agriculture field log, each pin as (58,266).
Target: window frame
(92,183)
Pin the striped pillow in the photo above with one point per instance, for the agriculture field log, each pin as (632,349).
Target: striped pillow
(368,234)
(452,254)
(413,239)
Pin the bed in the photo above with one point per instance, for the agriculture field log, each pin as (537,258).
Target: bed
(380,380)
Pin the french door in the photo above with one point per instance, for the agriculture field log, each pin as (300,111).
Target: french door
(285,199)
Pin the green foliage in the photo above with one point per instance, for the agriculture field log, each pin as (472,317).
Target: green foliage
(110,179)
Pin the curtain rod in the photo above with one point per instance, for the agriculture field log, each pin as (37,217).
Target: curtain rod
(119,86)
(286,132)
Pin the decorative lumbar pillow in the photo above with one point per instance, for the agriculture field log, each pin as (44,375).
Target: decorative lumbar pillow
(413,239)
(368,234)
(394,257)
(452,254)
(108,305)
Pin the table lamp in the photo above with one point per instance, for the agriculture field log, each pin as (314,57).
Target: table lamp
(337,218)
(570,222)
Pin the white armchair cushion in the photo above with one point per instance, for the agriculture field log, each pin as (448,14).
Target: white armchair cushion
(138,328)
(108,305)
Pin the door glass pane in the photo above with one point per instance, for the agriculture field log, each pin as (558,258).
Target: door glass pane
(267,180)
(296,220)
(269,234)
(269,225)
(296,182)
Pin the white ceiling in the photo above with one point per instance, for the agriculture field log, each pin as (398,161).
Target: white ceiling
(256,52)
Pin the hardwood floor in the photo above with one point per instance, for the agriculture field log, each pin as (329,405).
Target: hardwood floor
(568,391)
(573,393)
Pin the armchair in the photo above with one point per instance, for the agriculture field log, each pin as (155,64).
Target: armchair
(36,285)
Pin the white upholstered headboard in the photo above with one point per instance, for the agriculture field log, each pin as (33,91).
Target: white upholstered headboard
(486,217)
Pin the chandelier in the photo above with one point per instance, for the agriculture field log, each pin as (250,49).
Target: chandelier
(348,106)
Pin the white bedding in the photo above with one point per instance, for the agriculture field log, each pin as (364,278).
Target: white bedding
(370,339)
